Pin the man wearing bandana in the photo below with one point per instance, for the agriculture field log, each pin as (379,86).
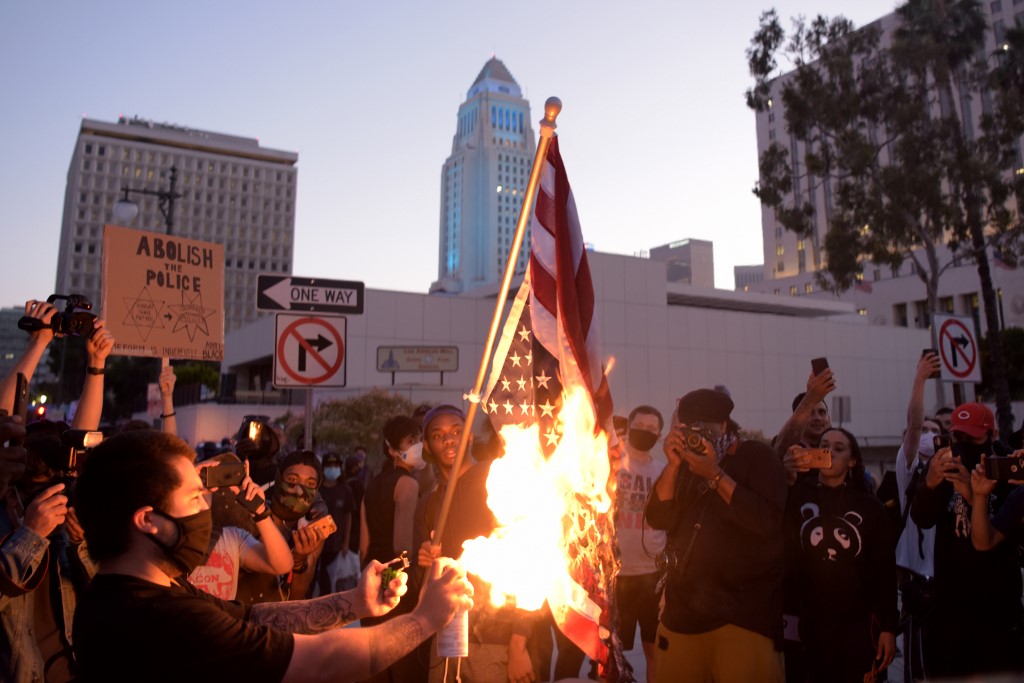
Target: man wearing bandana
(975,626)
(639,544)
(721,501)
(293,504)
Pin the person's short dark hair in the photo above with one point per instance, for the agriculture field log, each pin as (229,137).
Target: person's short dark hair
(398,428)
(353,463)
(332,458)
(307,458)
(124,473)
(704,405)
(421,410)
(136,426)
(943,411)
(800,397)
(646,410)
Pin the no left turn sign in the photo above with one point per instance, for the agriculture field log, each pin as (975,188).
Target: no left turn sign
(309,351)
(958,349)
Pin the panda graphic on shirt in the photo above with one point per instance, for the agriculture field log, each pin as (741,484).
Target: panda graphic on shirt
(829,538)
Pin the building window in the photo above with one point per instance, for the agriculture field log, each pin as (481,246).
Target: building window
(808,288)
(899,315)
(946,304)
(997,6)
(792,290)
(862,311)
(780,250)
(922,316)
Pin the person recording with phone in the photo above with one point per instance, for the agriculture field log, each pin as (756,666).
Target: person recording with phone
(234,549)
(721,501)
(841,572)
(1008,524)
(808,422)
(976,620)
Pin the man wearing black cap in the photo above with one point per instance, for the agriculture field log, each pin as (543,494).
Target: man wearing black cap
(721,500)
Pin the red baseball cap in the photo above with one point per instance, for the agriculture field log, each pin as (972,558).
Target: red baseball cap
(973,419)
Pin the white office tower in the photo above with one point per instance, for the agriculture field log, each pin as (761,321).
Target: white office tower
(232,192)
(483,183)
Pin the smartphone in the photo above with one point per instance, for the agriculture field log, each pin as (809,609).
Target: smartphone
(819,365)
(224,474)
(821,458)
(942,441)
(1011,467)
(325,524)
(20,404)
(938,373)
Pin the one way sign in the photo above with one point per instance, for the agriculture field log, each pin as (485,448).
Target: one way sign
(316,295)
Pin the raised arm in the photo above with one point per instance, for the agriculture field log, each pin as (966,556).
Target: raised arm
(818,387)
(915,409)
(90,405)
(167,414)
(37,343)
(984,536)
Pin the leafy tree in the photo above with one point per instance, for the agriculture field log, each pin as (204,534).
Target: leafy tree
(886,137)
(343,424)
(1012,339)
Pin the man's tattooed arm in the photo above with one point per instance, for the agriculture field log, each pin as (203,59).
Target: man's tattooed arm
(306,616)
(398,638)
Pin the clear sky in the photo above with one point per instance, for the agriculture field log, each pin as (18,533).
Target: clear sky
(656,138)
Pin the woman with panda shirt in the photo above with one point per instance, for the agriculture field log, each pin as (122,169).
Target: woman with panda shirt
(841,571)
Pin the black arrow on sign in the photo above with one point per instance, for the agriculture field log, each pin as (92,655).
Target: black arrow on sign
(963,341)
(320,343)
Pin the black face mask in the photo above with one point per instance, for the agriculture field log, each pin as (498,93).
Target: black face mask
(193,546)
(642,440)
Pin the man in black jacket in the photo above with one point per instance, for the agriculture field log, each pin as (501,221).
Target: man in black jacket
(721,500)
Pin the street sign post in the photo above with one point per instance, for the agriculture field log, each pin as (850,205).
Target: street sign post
(313,295)
(958,349)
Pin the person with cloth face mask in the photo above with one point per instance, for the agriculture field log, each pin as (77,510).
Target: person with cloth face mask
(975,625)
(145,516)
(337,496)
(721,501)
(387,517)
(639,544)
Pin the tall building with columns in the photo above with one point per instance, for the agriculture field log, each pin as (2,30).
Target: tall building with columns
(483,182)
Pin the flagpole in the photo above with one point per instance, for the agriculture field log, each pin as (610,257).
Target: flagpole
(552,107)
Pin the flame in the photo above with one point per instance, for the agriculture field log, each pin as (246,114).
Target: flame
(549,514)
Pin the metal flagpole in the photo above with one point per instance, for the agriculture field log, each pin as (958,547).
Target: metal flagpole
(552,107)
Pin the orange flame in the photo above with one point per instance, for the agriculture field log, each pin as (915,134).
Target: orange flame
(546,509)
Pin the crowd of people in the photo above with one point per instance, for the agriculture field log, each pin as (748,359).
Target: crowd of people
(137,559)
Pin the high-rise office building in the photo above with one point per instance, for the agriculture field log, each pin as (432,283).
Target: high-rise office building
(744,276)
(483,182)
(688,261)
(233,192)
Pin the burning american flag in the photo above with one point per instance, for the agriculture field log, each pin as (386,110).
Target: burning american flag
(548,397)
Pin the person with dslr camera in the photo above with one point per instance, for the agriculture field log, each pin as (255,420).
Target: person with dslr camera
(147,523)
(44,563)
(721,500)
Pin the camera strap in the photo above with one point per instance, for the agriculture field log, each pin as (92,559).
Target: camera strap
(11,588)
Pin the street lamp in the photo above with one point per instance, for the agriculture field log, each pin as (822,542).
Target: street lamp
(125,210)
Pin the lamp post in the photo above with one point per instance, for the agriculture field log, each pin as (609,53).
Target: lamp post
(125,210)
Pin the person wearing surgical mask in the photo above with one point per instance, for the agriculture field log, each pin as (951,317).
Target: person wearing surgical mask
(341,505)
(639,544)
(387,518)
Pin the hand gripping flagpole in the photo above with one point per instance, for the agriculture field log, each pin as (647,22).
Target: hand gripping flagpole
(552,107)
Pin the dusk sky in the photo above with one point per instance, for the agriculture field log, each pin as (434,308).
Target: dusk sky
(655,135)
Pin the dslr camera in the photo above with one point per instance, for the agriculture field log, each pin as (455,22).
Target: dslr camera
(694,437)
(76,320)
(74,444)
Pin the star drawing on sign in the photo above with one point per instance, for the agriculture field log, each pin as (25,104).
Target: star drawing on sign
(143,313)
(524,334)
(543,379)
(546,409)
(515,358)
(192,316)
(522,383)
(525,407)
(506,385)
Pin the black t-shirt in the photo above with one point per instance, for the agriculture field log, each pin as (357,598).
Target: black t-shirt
(130,629)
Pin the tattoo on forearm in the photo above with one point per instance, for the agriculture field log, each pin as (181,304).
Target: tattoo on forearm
(305,616)
(393,640)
